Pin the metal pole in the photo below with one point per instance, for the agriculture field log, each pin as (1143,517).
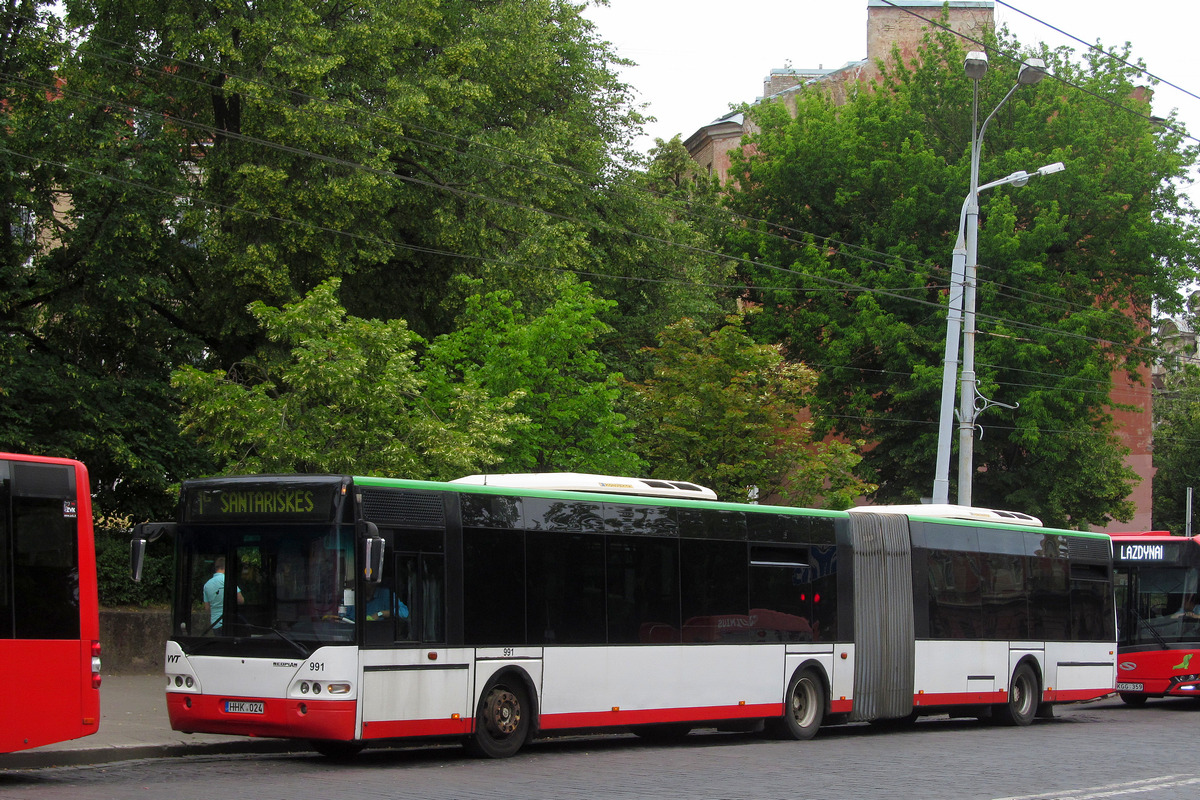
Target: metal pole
(966,409)
(941,477)
(1188,525)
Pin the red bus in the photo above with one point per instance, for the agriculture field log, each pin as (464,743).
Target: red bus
(1156,578)
(49,616)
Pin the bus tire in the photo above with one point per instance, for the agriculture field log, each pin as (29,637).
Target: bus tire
(502,720)
(1133,699)
(337,750)
(1024,693)
(803,708)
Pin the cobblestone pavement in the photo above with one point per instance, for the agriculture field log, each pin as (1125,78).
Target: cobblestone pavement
(1102,750)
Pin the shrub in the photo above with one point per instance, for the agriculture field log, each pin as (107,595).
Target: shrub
(112,567)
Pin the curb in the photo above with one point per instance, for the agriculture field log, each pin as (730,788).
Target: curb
(46,759)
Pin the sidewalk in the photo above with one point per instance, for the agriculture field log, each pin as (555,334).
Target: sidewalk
(133,724)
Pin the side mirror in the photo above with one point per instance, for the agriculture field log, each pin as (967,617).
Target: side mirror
(373,547)
(143,534)
(137,554)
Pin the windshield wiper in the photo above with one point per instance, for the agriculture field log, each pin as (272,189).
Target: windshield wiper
(301,649)
(1149,627)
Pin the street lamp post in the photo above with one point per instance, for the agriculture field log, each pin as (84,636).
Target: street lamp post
(941,483)
(962,300)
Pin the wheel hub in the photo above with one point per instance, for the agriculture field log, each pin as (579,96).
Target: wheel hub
(503,712)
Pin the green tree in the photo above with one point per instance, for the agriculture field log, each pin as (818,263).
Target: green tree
(334,393)
(1176,440)
(549,366)
(658,242)
(184,159)
(84,361)
(859,208)
(727,413)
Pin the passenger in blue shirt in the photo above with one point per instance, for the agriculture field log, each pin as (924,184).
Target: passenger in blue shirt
(214,594)
(380,604)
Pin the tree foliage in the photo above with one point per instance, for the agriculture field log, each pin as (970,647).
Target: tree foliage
(335,393)
(549,366)
(727,413)
(84,361)
(859,207)
(181,161)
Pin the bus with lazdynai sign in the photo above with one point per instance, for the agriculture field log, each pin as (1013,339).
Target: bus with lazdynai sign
(1157,579)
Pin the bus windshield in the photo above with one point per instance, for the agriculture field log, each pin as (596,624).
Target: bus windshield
(1163,606)
(264,589)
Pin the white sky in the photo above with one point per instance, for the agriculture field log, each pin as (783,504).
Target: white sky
(696,57)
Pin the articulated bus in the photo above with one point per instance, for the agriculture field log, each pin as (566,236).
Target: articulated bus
(49,617)
(1158,621)
(350,610)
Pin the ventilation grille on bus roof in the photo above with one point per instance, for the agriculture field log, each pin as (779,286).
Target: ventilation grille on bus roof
(1084,549)
(411,509)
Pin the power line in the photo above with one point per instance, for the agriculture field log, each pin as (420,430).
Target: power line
(535,168)
(870,256)
(1140,69)
(995,51)
(833,285)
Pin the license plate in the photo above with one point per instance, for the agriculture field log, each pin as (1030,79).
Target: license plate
(242,707)
(1131,687)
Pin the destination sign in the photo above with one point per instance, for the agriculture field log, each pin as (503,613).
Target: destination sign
(261,502)
(1182,552)
(1141,552)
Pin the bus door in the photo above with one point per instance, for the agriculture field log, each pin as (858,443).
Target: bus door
(413,685)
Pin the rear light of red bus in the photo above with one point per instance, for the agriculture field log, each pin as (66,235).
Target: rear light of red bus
(95,665)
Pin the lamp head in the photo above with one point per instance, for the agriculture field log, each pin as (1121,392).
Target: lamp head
(976,64)
(1031,72)
(1050,169)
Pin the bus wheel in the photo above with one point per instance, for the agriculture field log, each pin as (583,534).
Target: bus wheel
(803,708)
(1022,698)
(1131,699)
(337,750)
(502,723)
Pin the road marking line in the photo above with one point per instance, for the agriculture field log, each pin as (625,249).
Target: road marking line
(1112,789)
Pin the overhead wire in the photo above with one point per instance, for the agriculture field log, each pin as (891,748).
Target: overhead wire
(1140,69)
(836,285)
(859,253)
(1054,302)
(833,285)
(1156,121)
(532,165)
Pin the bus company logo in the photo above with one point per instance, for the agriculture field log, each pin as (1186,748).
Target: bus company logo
(70,510)
(1127,665)
(1142,552)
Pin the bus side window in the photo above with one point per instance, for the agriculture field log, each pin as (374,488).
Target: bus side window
(420,588)
(433,604)
(407,609)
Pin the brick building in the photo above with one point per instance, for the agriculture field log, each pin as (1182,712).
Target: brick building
(891,26)
(887,27)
